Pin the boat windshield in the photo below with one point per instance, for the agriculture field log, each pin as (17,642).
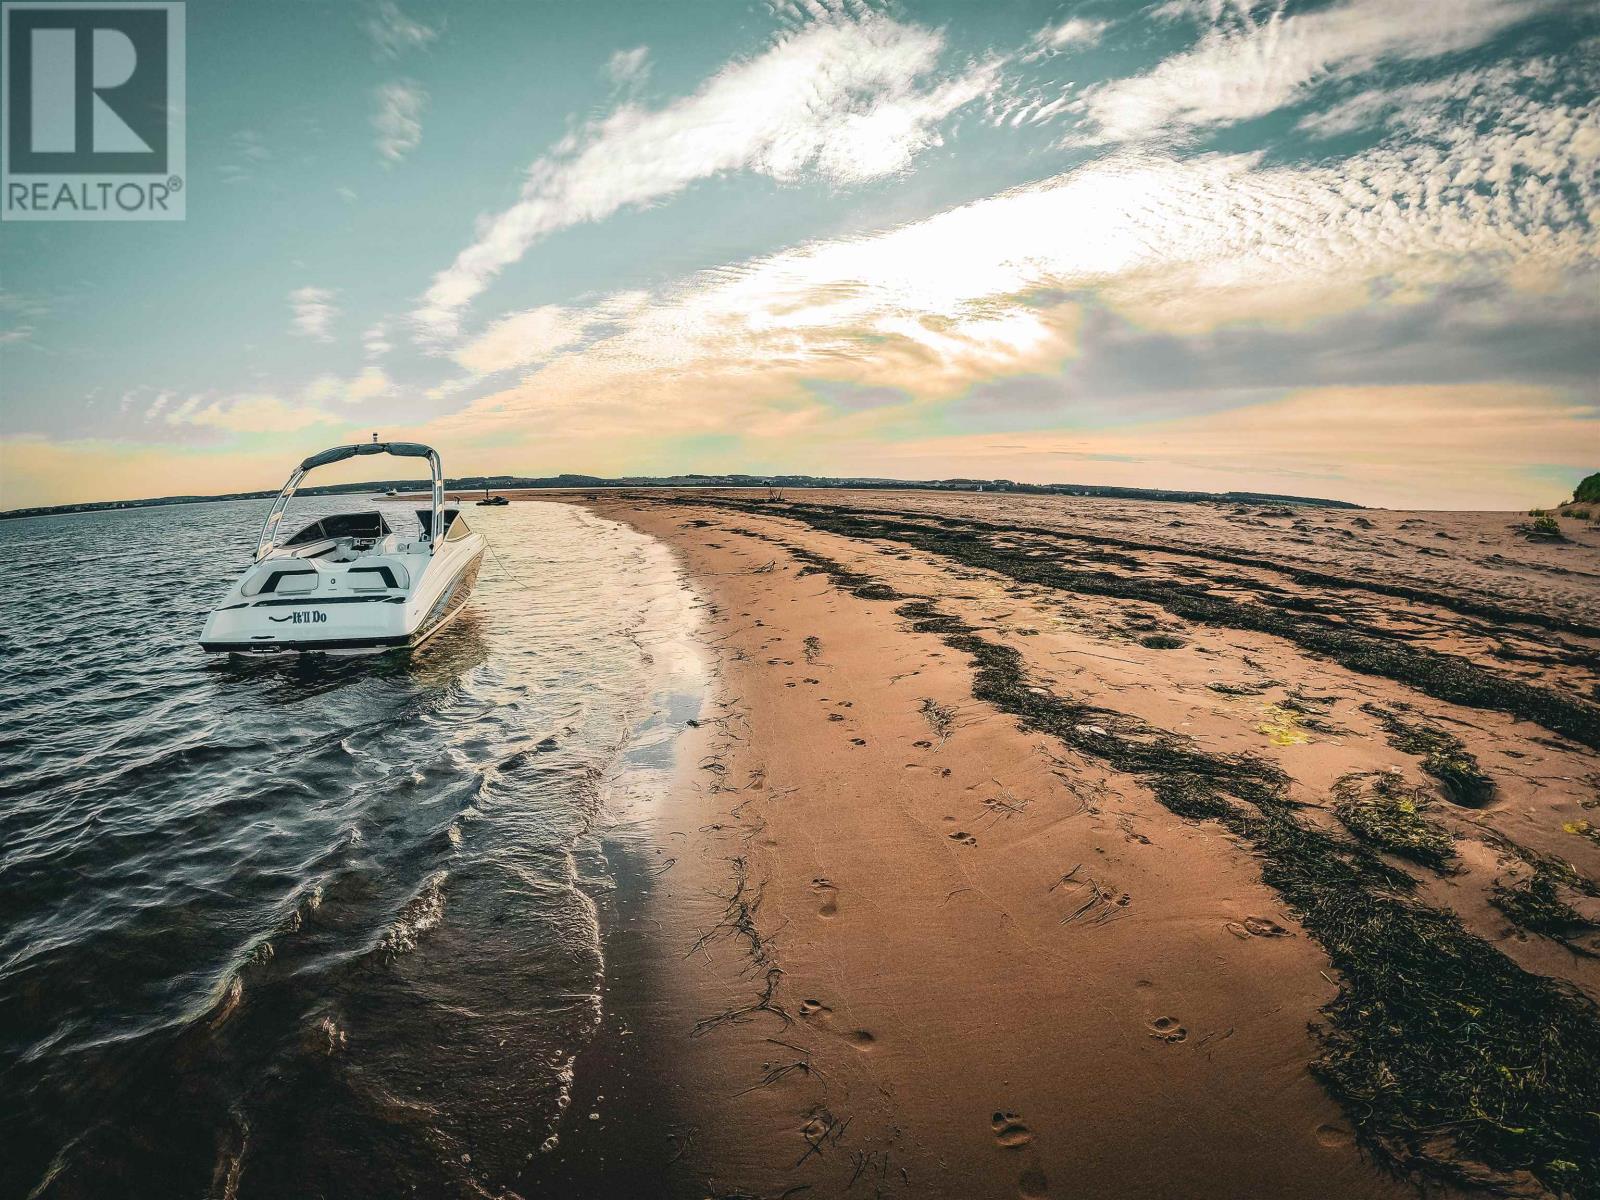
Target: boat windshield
(362,525)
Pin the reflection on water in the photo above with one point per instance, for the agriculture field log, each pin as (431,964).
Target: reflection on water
(302,926)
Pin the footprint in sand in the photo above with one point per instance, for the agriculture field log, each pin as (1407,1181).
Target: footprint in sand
(1255,927)
(1032,1185)
(810,1008)
(835,716)
(830,897)
(858,741)
(1010,1131)
(965,838)
(923,745)
(861,1039)
(1334,1137)
(1167,1029)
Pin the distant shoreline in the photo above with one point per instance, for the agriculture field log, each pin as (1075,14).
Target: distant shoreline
(815,482)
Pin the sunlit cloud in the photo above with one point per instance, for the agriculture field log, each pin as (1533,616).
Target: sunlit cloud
(997,289)
(370,384)
(258,414)
(1185,245)
(1247,67)
(520,339)
(1075,33)
(844,100)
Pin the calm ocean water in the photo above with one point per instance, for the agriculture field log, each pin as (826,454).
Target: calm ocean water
(314,928)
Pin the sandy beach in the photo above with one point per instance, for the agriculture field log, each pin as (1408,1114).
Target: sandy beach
(1065,847)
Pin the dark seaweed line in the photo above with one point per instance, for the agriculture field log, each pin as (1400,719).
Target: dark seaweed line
(1436,1040)
(1465,605)
(1442,676)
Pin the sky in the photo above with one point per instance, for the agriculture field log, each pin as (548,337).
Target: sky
(1343,249)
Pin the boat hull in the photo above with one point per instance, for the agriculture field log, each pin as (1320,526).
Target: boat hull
(347,624)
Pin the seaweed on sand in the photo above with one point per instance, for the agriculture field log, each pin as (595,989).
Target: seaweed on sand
(1443,676)
(1383,812)
(941,718)
(1536,903)
(1443,756)
(1442,1050)
(1439,1047)
(1238,689)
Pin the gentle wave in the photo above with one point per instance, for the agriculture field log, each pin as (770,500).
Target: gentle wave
(243,893)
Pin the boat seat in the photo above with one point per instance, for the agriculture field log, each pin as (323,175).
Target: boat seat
(378,577)
(281,579)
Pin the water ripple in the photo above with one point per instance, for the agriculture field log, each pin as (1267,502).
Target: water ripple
(302,927)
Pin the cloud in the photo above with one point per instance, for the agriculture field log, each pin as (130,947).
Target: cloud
(375,341)
(249,412)
(843,100)
(1244,68)
(314,311)
(1073,34)
(1191,248)
(398,119)
(1465,98)
(628,68)
(393,33)
(369,385)
(258,414)
(520,339)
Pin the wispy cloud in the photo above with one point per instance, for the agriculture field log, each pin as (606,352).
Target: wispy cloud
(313,312)
(1466,97)
(393,32)
(375,341)
(1075,33)
(521,339)
(257,413)
(844,100)
(371,384)
(1244,67)
(629,68)
(997,288)
(398,119)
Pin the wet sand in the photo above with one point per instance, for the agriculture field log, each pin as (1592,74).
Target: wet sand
(943,910)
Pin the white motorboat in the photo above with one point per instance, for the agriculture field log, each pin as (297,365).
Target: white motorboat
(349,583)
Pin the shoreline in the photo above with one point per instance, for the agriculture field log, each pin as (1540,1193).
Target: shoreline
(935,950)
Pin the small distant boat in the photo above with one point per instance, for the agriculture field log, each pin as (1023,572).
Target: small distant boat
(391,493)
(348,583)
(489,501)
